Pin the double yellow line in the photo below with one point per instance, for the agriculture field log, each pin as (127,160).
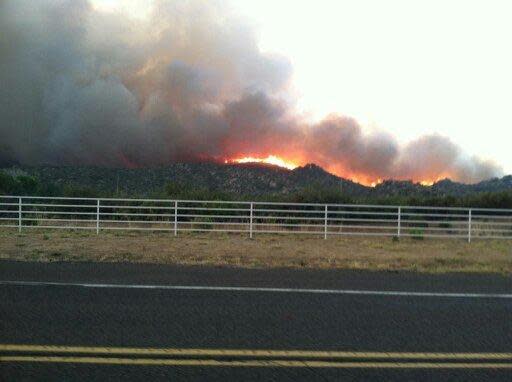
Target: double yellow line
(251,358)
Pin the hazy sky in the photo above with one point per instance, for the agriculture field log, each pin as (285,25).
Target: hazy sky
(408,67)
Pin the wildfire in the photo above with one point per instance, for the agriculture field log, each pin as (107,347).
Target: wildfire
(377,182)
(271,159)
(431,182)
(281,162)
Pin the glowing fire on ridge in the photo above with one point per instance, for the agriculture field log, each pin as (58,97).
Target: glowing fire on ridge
(431,182)
(375,183)
(278,161)
(271,159)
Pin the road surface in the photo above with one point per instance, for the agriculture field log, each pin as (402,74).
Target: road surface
(85,321)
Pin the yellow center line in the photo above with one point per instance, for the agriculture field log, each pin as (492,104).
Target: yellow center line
(253,363)
(249,352)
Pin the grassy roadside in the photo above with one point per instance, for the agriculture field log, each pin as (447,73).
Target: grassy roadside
(298,251)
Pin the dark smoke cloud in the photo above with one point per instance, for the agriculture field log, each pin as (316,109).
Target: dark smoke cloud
(84,87)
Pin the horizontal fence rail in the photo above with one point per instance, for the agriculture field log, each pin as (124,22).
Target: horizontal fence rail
(103,214)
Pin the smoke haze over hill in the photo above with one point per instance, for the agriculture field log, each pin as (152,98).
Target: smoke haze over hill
(189,83)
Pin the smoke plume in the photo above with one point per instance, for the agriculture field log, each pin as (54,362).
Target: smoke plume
(85,87)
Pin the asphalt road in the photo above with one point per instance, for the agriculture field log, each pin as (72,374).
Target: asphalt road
(129,322)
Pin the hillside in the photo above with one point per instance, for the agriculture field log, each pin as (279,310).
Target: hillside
(240,179)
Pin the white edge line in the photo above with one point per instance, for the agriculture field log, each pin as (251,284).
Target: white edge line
(255,289)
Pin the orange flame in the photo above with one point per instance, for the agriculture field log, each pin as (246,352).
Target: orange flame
(271,159)
(292,164)
(375,183)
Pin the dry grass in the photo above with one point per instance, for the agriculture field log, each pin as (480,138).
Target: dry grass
(427,255)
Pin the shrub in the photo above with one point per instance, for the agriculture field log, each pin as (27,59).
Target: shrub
(417,234)
(205,221)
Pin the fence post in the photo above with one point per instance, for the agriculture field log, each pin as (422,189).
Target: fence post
(175,218)
(250,220)
(19,214)
(98,217)
(325,223)
(399,220)
(469,226)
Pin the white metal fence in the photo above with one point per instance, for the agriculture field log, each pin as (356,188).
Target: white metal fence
(24,212)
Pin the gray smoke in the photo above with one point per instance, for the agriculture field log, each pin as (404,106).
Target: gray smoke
(82,87)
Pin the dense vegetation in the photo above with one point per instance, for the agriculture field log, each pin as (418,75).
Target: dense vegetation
(20,184)
(310,191)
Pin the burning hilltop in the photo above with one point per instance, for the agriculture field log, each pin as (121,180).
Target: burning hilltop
(189,83)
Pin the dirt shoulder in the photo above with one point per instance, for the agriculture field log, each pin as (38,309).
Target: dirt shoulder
(296,251)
